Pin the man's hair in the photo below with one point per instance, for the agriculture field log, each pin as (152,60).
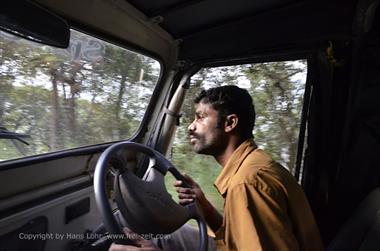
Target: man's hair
(230,99)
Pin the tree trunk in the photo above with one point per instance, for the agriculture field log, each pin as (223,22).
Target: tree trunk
(71,108)
(119,103)
(2,104)
(56,142)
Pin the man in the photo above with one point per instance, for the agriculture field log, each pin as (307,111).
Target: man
(265,208)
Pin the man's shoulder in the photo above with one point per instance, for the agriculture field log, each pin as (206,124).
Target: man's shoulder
(251,166)
(258,157)
(259,167)
(257,160)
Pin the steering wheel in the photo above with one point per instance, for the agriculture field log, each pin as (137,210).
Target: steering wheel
(144,203)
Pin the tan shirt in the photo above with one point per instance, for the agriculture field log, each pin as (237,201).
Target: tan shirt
(265,208)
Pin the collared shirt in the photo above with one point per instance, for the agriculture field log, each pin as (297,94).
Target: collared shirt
(265,209)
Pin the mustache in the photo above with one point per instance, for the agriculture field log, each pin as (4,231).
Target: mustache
(193,135)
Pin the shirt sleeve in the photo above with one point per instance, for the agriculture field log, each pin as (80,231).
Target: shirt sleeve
(256,219)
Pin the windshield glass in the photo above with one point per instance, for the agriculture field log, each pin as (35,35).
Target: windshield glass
(55,99)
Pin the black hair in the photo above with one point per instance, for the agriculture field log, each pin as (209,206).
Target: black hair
(230,99)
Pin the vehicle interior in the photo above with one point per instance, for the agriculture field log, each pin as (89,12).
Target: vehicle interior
(62,192)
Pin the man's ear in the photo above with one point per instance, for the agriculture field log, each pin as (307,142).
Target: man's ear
(231,122)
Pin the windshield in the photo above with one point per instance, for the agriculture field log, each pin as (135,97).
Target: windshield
(56,99)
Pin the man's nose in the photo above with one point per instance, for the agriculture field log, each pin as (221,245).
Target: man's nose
(191,127)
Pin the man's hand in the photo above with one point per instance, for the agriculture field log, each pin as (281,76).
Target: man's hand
(187,195)
(141,244)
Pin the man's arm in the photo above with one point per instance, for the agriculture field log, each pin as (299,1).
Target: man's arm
(117,247)
(187,195)
(140,243)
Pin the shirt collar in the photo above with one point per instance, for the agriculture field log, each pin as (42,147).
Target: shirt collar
(233,164)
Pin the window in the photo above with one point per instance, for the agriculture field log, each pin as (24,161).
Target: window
(277,90)
(55,99)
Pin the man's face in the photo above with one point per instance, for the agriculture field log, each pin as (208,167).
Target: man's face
(204,134)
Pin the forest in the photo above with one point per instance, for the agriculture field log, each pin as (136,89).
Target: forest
(95,92)
(91,93)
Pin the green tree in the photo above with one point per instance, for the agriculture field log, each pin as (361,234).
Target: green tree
(277,89)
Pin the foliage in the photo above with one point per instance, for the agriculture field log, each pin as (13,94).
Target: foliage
(93,92)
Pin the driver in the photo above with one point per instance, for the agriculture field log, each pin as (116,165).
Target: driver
(264,207)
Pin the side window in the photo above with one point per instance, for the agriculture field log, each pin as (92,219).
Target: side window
(277,90)
(54,99)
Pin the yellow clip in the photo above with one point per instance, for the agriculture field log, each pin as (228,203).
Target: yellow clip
(330,54)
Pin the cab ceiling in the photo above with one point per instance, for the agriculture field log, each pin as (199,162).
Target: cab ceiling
(204,31)
(215,29)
